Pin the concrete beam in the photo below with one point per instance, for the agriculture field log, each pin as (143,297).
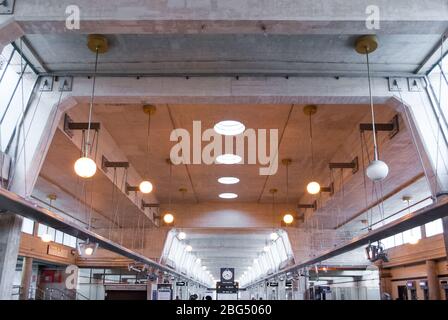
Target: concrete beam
(243,16)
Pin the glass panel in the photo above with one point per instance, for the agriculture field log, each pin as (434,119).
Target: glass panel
(59,237)
(410,235)
(433,228)
(398,239)
(41,229)
(27,226)
(388,242)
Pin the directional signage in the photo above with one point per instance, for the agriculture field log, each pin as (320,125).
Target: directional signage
(181,284)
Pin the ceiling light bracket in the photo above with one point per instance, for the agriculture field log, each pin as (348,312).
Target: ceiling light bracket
(308,206)
(354,165)
(129,188)
(7,6)
(392,127)
(329,189)
(112,164)
(70,125)
(149,205)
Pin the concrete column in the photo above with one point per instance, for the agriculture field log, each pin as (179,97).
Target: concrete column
(27,273)
(433,281)
(10,231)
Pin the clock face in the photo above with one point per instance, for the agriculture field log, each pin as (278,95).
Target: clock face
(227,275)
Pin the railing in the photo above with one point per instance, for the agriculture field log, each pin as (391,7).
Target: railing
(47,294)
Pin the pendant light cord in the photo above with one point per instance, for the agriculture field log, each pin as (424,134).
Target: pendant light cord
(169,196)
(287,183)
(311,146)
(375,145)
(148,144)
(87,145)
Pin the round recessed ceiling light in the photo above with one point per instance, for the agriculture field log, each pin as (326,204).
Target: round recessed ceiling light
(229,128)
(182,235)
(228,159)
(228,195)
(228,180)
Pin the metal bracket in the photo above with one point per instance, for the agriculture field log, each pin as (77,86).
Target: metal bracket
(396,84)
(415,84)
(354,165)
(46,84)
(69,125)
(329,189)
(7,6)
(393,126)
(110,164)
(149,205)
(308,206)
(65,84)
(130,188)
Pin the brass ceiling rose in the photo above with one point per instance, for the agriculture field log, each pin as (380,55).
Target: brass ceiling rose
(97,42)
(149,109)
(52,197)
(310,109)
(273,191)
(366,44)
(286,161)
(183,190)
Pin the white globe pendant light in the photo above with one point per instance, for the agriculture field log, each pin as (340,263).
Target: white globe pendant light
(168,218)
(313,187)
(145,187)
(377,169)
(288,218)
(85,167)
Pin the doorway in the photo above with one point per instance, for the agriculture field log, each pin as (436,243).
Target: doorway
(402,293)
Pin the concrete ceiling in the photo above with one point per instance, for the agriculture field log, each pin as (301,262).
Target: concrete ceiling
(221,248)
(231,54)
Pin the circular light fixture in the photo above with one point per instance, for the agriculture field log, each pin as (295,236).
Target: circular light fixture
(188,248)
(228,159)
(377,170)
(313,187)
(168,218)
(266,249)
(145,187)
(46,237)
(288,218)
(182,235)
(229,128)
(198,260)
(274,236)
(85,167)
(228,195)
(228,180)
(204,267)
(88,251)
(249,268)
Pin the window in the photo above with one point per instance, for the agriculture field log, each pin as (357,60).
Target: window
(409,235)
(433,228)
(12,81)
(28,226)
